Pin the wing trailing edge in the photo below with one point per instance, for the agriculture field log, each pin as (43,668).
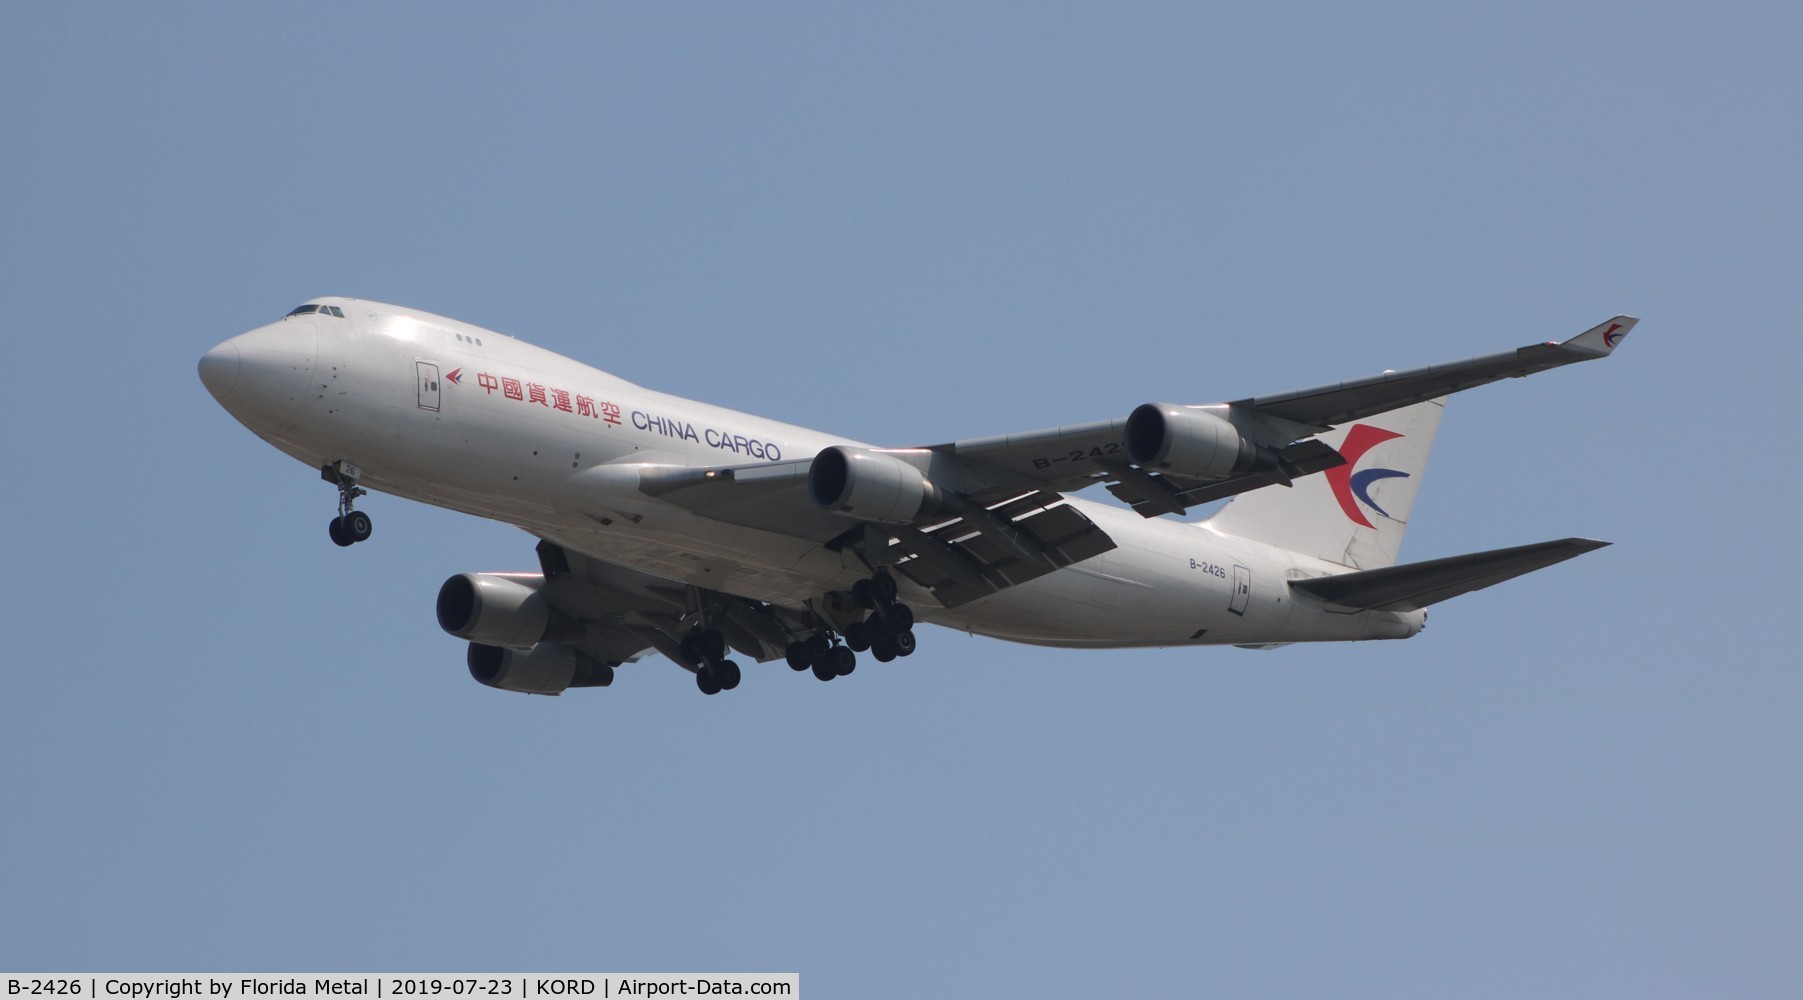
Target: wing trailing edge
(1413,586)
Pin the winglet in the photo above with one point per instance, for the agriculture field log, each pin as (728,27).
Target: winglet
(1603,337)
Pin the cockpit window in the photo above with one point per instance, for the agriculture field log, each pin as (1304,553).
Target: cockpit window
(321,310)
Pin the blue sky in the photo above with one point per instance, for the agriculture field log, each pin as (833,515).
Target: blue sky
(230,745)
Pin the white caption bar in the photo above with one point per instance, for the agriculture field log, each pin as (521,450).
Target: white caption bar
(396,985)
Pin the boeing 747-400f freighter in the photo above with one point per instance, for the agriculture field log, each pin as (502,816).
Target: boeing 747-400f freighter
(670,525)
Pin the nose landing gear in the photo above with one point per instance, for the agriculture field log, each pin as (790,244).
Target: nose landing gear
(350,526)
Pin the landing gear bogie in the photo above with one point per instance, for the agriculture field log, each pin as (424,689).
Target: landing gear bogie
(889,620)
(722,676)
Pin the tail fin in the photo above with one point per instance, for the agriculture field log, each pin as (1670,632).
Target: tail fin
(1354,514)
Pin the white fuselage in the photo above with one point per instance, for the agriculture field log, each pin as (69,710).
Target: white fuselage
(453,415)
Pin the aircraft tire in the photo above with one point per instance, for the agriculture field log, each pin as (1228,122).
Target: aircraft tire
(883,587)
(857,636)
(825,671)
(705,680)
(844,661)
(728,673)
(901,617)
(357,527)
(905,644)
(797,655)
(336,530)
(863,594)
(884,650)
(819,648)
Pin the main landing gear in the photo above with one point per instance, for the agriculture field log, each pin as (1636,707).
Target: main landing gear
(350,526)
(824,654)
(888,632)
(714,673)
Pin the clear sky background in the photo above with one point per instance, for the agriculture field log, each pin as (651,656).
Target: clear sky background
(229,745)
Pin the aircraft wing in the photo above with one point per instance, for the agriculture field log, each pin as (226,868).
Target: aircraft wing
(994,540)
(1325,406)
(1072,457)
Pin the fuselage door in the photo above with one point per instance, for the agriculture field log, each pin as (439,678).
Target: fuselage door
(428,385)
(1242,590)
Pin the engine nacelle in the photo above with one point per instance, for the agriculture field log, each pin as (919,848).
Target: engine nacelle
(547,668)
(494,610)
(1189,442)
(872,486)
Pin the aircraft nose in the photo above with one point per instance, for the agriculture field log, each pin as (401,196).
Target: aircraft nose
(262,377)
(219,369)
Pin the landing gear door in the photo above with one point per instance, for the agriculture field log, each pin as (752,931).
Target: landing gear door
(428,384)
(1242,590)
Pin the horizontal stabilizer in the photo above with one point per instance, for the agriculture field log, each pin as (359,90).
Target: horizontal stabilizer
(1414,586)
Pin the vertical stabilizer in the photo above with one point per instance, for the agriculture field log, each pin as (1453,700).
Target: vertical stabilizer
(1353,514)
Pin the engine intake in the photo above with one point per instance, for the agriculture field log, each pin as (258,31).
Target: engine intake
(547,668)
(1188,442)
(494,610)
(872,486)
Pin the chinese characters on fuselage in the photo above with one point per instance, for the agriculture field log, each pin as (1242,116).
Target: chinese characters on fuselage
(581,405)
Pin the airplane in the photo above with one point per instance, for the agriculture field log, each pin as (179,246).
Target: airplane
(671,526)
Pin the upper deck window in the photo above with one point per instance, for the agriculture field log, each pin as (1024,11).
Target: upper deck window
(303,310)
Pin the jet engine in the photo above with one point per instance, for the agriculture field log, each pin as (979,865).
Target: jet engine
(494,610)
(872,486)
(547,668)
(1187,442)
